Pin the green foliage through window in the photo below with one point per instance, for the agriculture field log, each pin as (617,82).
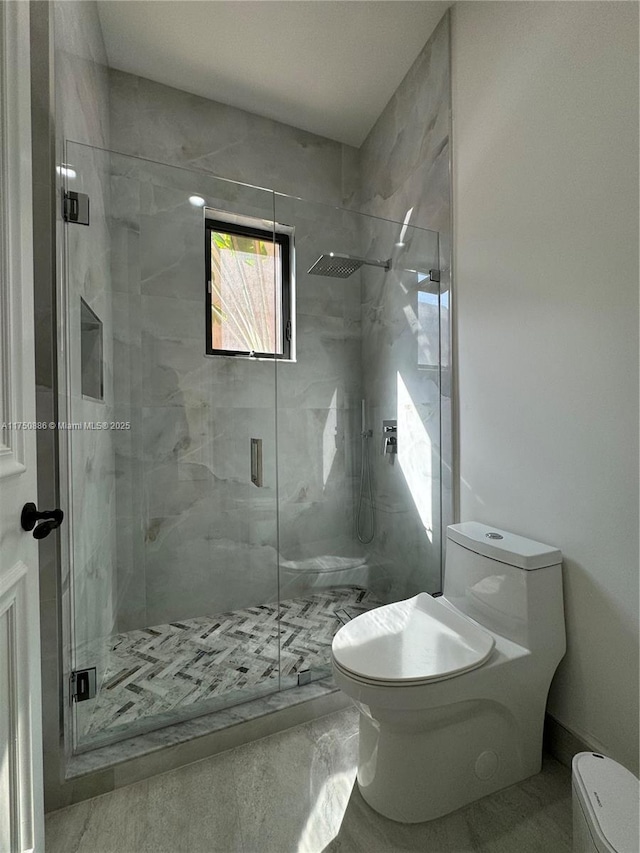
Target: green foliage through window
(248,292)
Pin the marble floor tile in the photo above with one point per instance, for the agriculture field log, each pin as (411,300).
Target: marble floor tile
(295,785)
(193,809)
(169,668)
(295,792)
(533,816)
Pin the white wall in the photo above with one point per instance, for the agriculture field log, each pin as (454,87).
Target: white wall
(545,141)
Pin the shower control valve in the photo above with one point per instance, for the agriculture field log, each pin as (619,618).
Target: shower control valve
(390,436)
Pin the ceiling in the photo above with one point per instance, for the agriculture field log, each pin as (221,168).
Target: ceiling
(327,66)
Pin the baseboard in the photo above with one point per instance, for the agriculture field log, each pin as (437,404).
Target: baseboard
(562,743)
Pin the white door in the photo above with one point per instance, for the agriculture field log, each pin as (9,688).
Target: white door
(21,797)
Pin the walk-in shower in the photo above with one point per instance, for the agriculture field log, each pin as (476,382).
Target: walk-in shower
(195,584)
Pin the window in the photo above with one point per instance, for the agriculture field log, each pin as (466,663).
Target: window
(249,288)
(428,313)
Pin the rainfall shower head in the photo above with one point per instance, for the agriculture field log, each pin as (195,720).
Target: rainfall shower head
(342,266)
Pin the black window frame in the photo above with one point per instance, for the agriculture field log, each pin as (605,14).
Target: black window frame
(283,239)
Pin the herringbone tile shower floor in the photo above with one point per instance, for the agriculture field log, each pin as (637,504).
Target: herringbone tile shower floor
(156,670)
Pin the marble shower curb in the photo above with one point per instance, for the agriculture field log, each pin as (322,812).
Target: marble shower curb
(107,768)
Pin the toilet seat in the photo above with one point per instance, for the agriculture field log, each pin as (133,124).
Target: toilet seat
(409,643)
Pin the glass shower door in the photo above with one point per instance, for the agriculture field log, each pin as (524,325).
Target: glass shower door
(171,471)
(359,514)
(232,492)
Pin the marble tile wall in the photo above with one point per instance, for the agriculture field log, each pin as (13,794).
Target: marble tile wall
(213,404)
(404,176)
(164,124)
(318,402)
(318,398)
(195,536)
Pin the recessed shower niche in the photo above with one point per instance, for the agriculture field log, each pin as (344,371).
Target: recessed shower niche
(91,347)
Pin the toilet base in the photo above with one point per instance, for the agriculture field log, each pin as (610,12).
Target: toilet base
(417,766)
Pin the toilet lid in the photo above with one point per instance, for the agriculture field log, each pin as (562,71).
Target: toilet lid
(412,641)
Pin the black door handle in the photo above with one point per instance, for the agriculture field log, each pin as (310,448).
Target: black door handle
(30,516)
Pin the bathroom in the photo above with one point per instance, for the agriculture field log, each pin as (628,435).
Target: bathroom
(493,175)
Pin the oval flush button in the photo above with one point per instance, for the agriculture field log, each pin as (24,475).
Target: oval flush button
(493,536)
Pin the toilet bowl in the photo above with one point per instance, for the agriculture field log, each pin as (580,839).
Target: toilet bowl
(452,690)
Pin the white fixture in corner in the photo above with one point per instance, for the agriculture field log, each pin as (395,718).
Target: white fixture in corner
(606,805)
(452,690)
(197,200)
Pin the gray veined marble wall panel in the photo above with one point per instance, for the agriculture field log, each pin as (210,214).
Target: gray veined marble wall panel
(128,397)
(405,158)
(82,87)
(199,533)
(167,125)
(318,401)
(183,484)
(398,386)
(405,176)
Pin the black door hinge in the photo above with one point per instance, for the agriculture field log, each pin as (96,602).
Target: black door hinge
(76,208)
(83,684)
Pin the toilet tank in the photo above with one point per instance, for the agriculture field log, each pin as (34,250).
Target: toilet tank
(509,584)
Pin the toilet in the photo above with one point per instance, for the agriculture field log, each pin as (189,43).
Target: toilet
(452,690)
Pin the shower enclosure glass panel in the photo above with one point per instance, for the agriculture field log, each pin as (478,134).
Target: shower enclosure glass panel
(213,543)
(174,582)
(367,347)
